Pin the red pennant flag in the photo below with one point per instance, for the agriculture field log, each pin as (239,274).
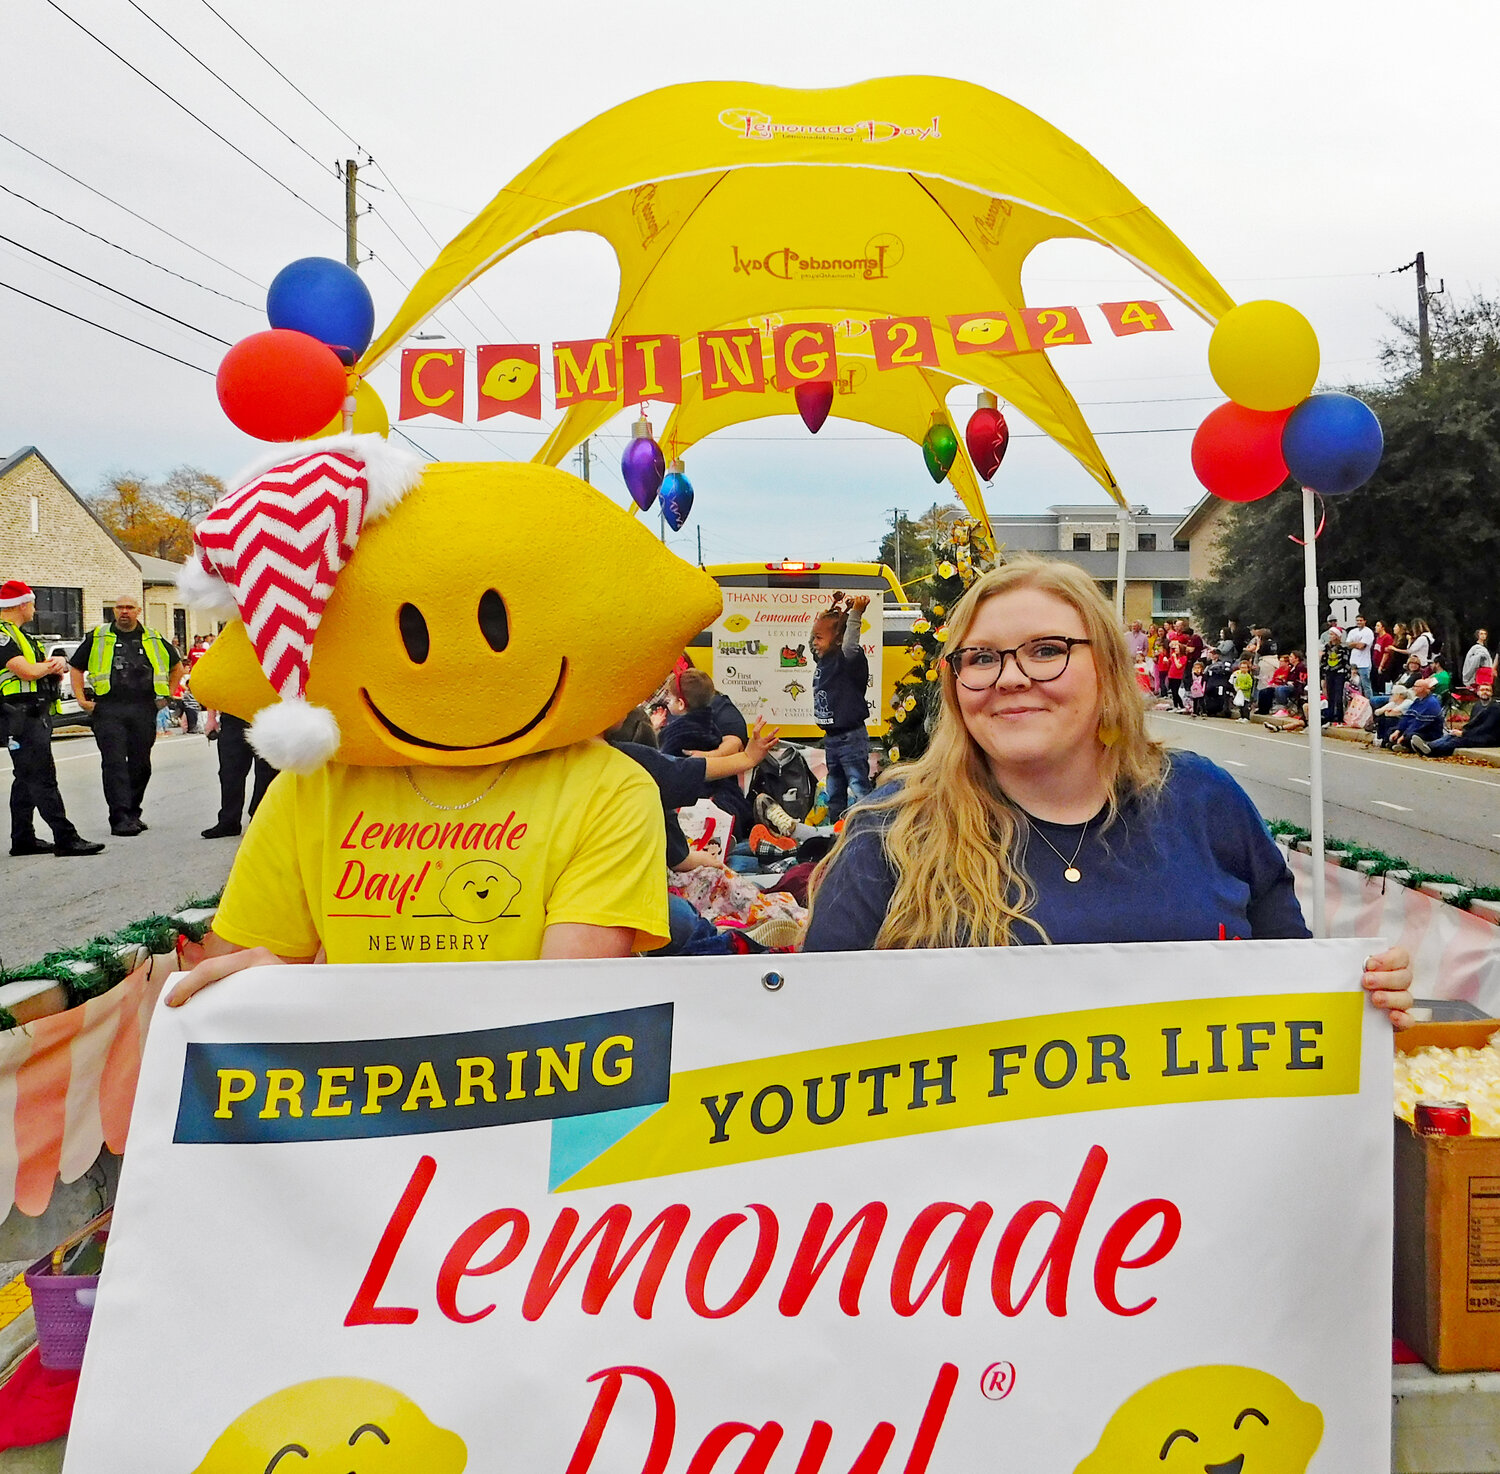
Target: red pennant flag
(730,361)
(1054,327)
(652,368)
(804,353)
(510,380)
(903,342)
(585,368)
(1125,318)
(432,383)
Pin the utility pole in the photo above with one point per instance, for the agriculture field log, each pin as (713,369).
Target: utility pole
(1424,333)
(896,519)
(351,215)
(700,545)
(583,460)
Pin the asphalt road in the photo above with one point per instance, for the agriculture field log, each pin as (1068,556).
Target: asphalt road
(60,903)
(1440,816)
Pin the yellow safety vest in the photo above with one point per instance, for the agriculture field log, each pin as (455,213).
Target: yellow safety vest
(10,683)
(102,659)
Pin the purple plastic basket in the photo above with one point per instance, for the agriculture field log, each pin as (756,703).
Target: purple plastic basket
(64,1308)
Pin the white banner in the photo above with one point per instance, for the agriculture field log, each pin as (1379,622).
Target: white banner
(657,1217)
(763,656)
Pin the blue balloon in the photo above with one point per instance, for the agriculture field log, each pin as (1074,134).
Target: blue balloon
(676,499)
(1332,443)
(326,300)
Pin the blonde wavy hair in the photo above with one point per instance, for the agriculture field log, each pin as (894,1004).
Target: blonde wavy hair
(954,839)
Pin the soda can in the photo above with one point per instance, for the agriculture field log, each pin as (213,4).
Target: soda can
(1441,1118)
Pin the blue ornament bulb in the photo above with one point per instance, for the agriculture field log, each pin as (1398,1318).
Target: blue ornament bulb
(676,497)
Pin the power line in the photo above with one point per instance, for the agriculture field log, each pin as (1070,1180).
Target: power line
(145,220)
(156,86)
(295,88)
(51,261)
(217,78)
(161,353)
(16,194)
(396,428)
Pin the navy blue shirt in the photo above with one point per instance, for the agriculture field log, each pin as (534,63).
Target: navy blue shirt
(690,731)
(839,684)
(1194,862)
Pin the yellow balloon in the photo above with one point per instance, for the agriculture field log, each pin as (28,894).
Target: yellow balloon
(1264,355)
(370,417)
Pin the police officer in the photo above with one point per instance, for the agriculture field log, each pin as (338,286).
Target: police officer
(133,671)
(28,684)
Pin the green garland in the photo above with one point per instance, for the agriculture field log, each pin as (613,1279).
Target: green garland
(101,963)
(1379,863)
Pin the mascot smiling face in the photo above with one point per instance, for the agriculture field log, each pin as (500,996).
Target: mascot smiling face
(408,615)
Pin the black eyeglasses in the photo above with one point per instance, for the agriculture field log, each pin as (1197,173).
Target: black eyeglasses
(977,667)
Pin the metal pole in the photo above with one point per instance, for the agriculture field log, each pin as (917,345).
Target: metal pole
(583,459)
(1314,707)
(1122,516)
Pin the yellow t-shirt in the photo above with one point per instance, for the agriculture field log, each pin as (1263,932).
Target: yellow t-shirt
(353,860)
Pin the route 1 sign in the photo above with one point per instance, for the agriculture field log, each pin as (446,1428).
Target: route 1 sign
(1350,589)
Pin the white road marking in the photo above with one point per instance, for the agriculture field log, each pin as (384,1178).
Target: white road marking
(1401,807)
(1230,763)
(1306,782)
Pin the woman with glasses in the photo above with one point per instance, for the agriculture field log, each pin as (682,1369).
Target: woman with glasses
(1043,810)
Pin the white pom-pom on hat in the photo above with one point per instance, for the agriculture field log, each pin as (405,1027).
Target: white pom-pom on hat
(294,735)
(275,543)
(205,591)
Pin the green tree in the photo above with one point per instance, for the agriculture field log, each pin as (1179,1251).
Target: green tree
(1423,537)
(914,561)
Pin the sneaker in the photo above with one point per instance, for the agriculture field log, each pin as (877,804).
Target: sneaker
(1422,746)
(31,847)
(773,816)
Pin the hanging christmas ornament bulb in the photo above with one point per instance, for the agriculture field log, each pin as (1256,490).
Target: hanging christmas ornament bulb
(814,400)
(676,497)
(643,465)
(939,446)
(987,436)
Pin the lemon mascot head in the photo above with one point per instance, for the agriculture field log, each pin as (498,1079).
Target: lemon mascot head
(406,614)
(1222,1419)
(335,1425)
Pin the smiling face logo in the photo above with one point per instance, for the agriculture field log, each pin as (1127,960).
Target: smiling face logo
(509,379)
(446,640)
(1214,1419)
(480,891)
(982,330)
(335,1425)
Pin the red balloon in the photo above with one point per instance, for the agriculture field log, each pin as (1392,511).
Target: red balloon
(814,399)
(987,436)
(1237,452)
(281,385)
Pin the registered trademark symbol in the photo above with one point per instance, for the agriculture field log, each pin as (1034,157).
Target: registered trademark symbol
(997,1380)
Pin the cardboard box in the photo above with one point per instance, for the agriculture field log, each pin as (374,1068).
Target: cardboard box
(1447,1240)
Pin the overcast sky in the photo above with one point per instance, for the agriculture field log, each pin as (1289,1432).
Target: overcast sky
(1301,150)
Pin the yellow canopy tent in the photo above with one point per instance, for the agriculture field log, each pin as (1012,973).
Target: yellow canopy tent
(729,202)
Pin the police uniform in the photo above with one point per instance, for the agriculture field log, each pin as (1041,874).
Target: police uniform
(129,671)
(26,728)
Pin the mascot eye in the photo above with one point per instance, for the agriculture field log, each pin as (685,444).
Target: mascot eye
(494,623)
(414,633)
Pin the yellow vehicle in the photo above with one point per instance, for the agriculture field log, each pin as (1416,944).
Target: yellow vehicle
(874,579)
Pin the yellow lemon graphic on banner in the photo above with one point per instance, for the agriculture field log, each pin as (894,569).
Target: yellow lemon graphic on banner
(1219,1419)
(479,891)
(335,1425)
(982,330)
(510,378)
(736,622)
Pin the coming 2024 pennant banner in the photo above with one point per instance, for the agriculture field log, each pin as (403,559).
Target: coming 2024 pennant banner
(906,1209)
(641,368)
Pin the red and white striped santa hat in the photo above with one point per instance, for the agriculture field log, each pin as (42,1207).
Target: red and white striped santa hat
(269,551)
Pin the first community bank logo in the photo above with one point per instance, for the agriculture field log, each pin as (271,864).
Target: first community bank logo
(751,124)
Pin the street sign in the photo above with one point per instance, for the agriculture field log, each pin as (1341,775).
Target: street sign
(1350,589)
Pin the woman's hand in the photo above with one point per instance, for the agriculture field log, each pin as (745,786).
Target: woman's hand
(212,969)
(1387,980)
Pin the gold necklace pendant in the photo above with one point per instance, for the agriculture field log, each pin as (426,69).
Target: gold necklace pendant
(455,808)
(1073,873)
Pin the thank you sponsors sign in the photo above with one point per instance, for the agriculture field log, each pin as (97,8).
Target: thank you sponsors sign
(1044,1209)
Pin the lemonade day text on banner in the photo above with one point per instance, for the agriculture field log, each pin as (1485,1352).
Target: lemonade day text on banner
(905,1213)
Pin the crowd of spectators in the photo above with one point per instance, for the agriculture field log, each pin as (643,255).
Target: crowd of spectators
(1393,681)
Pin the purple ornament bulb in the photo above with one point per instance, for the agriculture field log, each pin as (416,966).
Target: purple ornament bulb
(643,465)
